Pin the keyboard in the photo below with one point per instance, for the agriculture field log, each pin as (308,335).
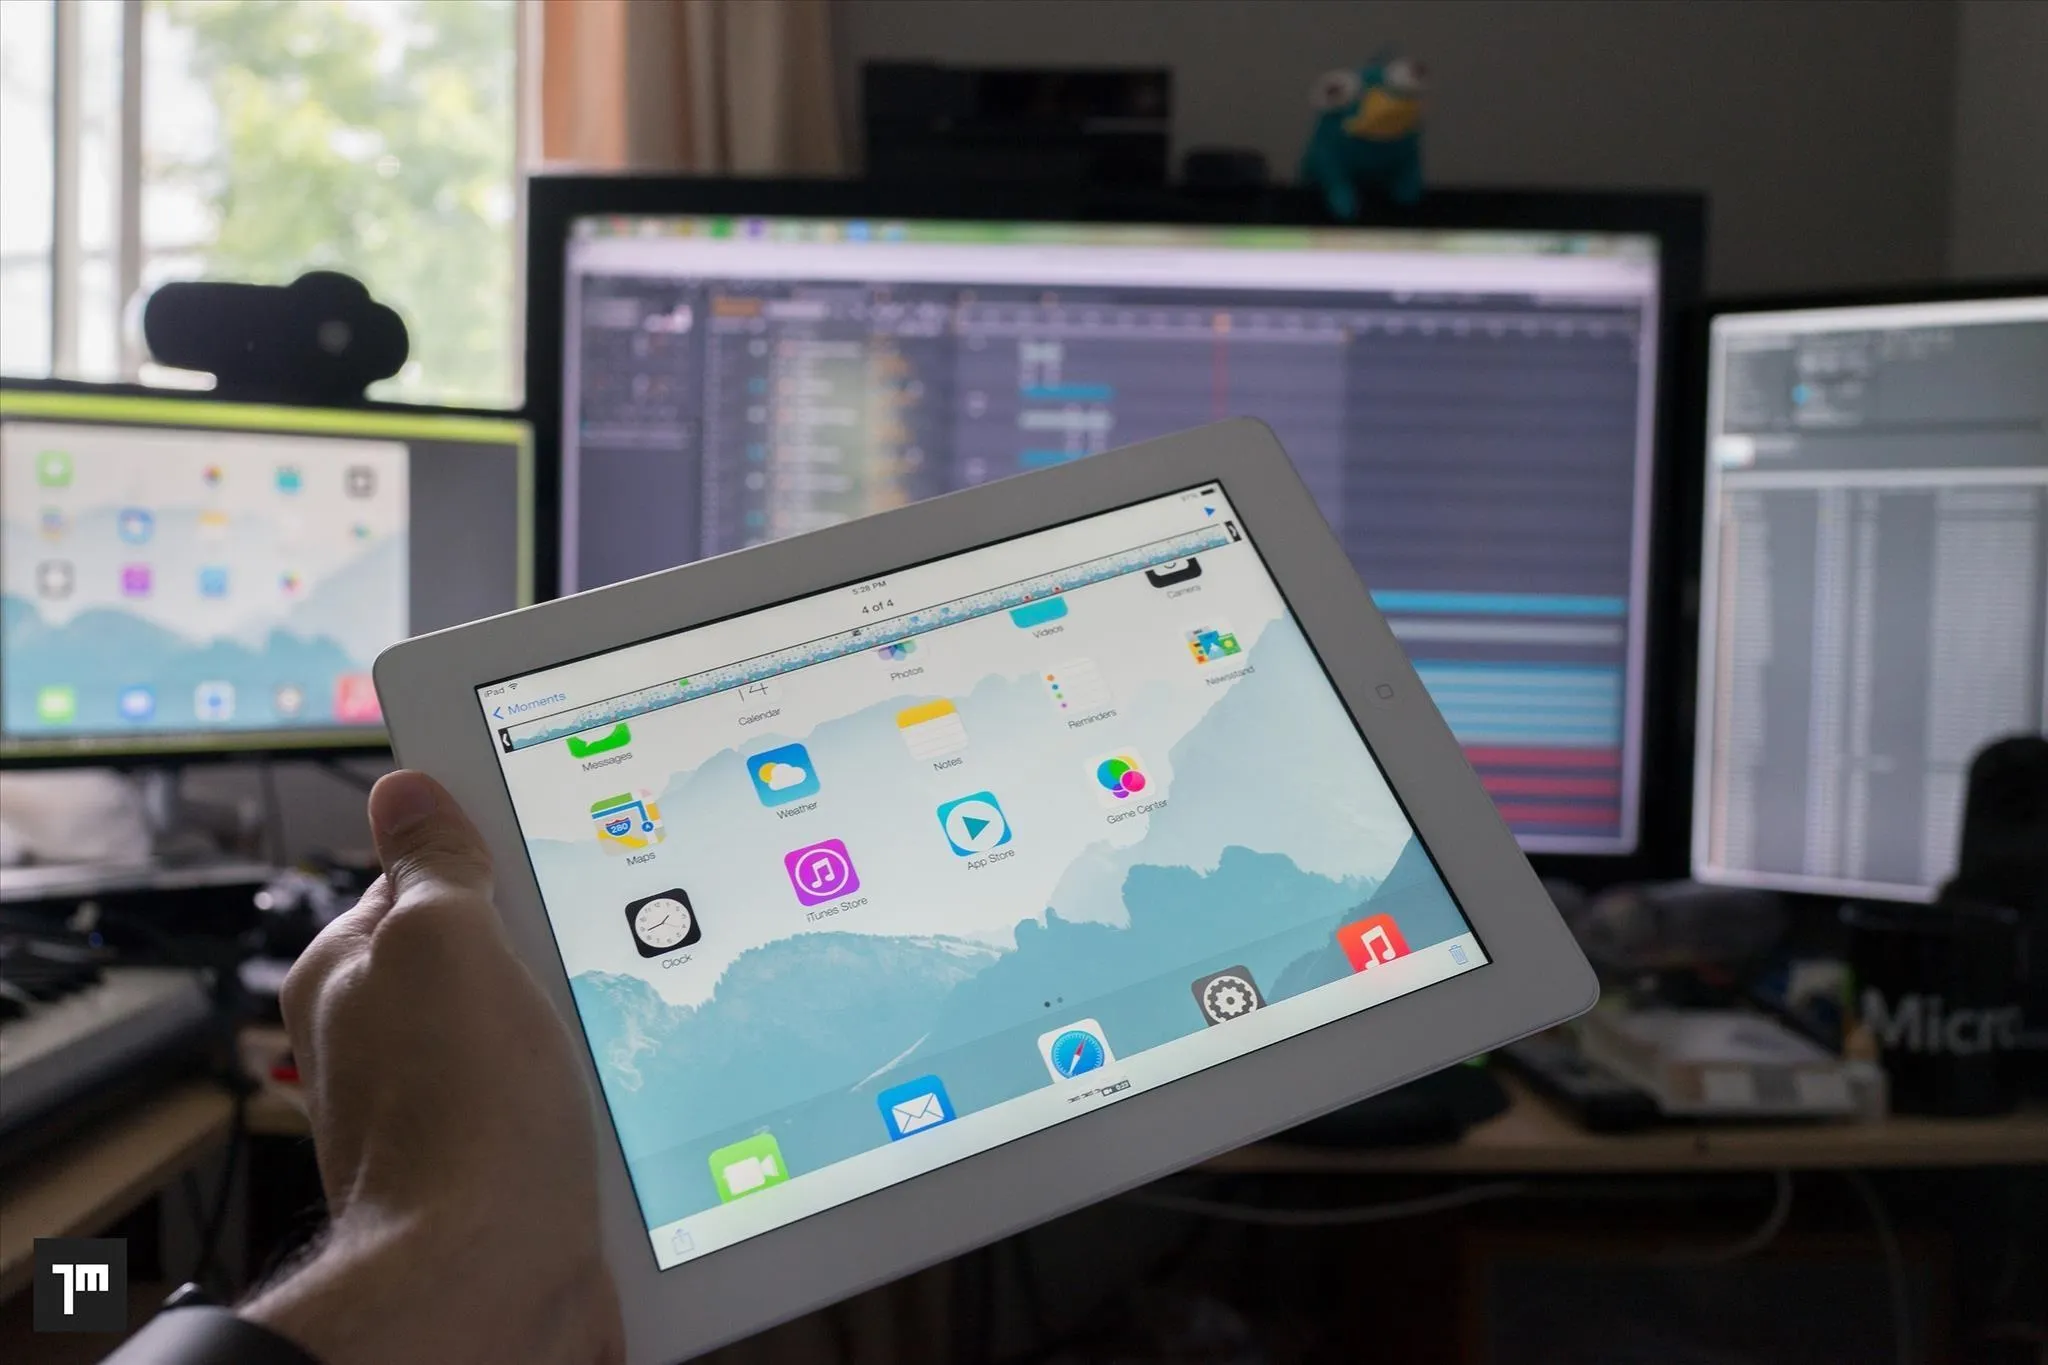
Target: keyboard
(72,1023)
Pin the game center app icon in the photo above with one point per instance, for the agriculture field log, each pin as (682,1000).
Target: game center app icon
(627,823)
(1075,1050)
(663,923)
(1120,777)
(974,824)
(821,872)
(1369,942)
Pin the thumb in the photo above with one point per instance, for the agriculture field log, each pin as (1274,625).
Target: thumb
(423,838)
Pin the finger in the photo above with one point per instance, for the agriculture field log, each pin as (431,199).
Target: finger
(424,840)
(346,937)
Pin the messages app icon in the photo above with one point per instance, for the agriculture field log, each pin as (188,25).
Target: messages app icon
(783,775)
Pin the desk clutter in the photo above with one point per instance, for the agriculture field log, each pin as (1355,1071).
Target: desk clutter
(1744,640)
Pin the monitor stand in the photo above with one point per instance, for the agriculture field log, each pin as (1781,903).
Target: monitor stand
(169,845)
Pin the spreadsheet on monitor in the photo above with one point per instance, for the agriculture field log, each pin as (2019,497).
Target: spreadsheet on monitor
(1874,600)
(1473,412)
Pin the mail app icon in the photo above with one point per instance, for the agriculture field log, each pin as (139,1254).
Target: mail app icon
(915,1106)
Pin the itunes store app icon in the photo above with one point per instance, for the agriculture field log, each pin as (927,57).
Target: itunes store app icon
(821,872)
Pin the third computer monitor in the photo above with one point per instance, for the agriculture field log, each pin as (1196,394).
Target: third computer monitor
(1473,412)
(1874,604)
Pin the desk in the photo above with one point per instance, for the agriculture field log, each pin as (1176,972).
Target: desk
(94,1178)
(1534,1137)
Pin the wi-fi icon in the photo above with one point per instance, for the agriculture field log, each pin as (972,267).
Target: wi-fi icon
(1208,511)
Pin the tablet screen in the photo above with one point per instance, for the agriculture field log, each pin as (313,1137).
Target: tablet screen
(858,885)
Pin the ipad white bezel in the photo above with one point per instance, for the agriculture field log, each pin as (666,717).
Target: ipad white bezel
(1536,975)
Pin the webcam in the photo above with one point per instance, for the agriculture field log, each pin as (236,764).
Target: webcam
(319,339)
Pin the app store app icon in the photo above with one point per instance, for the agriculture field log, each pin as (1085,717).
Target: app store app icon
(974,824)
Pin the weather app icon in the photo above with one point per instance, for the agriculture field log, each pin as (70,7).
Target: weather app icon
(783,775)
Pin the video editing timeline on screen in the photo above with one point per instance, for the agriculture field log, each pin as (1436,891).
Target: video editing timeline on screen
(1427,429)
(1880,561)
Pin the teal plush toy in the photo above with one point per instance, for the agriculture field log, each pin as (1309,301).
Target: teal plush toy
(1368,133)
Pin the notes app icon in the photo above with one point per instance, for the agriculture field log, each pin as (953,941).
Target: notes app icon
(932,730)
(627,823)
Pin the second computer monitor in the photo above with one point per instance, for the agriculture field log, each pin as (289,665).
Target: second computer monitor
(1874,595)
(184,577)
(1473,412)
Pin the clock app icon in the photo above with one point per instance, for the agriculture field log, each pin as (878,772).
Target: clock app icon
(662,923)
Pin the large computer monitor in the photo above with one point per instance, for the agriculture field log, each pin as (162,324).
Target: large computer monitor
(1874,590)
(1475,409)
(182,577)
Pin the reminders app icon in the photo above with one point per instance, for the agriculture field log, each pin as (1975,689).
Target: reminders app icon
(915,1106)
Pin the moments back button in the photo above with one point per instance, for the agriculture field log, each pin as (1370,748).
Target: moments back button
(81,1284)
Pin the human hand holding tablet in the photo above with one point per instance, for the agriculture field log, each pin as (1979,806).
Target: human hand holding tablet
(1088,822)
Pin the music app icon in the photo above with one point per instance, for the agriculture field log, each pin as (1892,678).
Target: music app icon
(1369,942)
(821,872)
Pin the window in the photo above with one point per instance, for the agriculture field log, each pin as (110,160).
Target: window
(149,140)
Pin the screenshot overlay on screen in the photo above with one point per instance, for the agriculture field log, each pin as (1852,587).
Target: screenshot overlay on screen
(179,573)
(1472,411)
(853,887)
(1874,588)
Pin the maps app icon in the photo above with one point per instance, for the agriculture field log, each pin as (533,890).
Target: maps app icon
(627,823)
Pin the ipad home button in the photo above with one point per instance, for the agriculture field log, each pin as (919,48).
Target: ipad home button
(1383,694)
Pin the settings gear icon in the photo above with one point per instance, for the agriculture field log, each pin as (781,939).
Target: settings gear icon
(1229,994)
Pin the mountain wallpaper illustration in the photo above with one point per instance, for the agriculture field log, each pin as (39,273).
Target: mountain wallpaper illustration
(99,652)
(801,1032)
(351,605)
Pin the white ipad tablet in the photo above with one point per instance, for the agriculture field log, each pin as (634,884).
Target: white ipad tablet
(925,877)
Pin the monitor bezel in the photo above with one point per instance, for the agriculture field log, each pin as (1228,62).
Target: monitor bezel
(1676,218)
(268,746)
(1691,526)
